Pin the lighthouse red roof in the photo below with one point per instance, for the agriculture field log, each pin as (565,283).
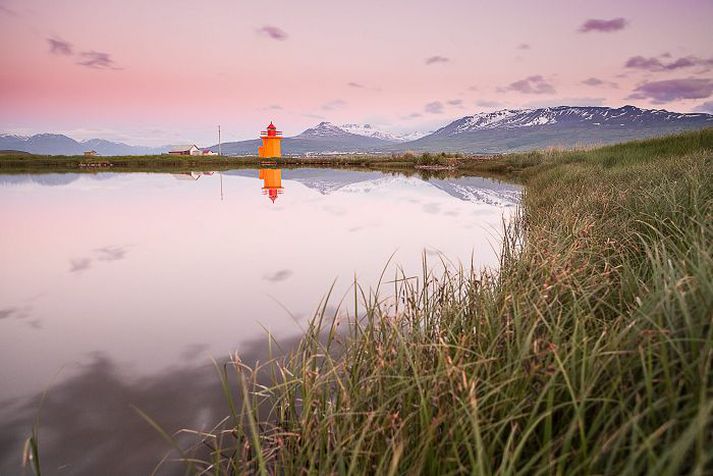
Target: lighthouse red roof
(271,126)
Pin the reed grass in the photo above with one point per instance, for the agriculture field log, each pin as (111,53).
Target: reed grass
(588,352)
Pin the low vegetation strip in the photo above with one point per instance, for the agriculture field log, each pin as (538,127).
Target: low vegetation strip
(588,352)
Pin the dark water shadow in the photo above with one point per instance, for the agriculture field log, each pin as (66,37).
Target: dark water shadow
(88,425)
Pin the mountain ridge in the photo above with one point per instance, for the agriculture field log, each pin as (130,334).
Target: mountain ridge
(505,130)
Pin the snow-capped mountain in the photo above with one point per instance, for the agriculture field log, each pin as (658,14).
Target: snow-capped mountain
(566,115)
(370,131)
(562,126)
(323,138)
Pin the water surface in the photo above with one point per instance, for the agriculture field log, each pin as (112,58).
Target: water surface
(116,289)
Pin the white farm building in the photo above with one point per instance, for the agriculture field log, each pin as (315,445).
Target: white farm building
(185,150)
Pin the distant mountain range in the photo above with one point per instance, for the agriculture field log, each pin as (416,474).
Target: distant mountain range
(494,132)
(59,144)
(563,126)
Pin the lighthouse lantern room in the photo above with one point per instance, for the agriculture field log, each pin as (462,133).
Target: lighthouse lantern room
(270,148)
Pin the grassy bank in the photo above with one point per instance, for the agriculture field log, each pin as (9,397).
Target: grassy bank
(28,163)
(590,351)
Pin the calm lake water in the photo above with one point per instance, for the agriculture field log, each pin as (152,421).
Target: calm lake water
(116,289)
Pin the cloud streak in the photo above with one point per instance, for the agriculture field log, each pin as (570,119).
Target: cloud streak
(436,59)
(603,26)
(656,65)
(535,84)
(278,276)
(332,105)
(660,92)
(97,60)
(60,47)
(435,107)
(273,33)
(705,107)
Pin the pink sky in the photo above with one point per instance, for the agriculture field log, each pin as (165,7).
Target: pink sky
(158,72)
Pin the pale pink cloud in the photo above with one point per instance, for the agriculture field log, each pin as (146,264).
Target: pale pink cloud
(660,92)
(435,107)
(604,26)
(654,64)
(437,59)
(60,47)
(97,60)
(535,84)
(705,107)
(273,32)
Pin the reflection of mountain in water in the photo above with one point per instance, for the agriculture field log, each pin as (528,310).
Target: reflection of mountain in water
(479,189)
(325,181)
(51,180)
(471,189)
(40,179)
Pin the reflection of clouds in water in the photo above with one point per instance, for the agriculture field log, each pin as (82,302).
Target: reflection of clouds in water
(432,252)
(452,213)
(432,208)
(336,211)
(106,253)
(78,265)
(20,313)
(92,412)
(193,351)
(7,312)
(111,253)
(278,276)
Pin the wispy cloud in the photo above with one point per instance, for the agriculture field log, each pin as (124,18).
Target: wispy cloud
(523,46)
(535,84)
(413,115)
(97,60)
(273,32)
(435,107)
(60,47)
(654,64)
(455,102)
(599,82)
(355,85)
(437,59)
(80,264)
(705,107)
(487,103)
(111,253)
(278,276)
(5,313)
(334,104)
(660,92)
(603,26)
(5,10)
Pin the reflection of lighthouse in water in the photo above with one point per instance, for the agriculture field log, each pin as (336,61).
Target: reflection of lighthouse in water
(271,182)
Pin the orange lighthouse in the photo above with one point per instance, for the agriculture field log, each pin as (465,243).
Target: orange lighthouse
(271,182)
(270,147)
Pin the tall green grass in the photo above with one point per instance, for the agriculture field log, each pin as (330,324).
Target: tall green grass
(588,352)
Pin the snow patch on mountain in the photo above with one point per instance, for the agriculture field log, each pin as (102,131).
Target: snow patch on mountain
(580,115)
(327,129)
